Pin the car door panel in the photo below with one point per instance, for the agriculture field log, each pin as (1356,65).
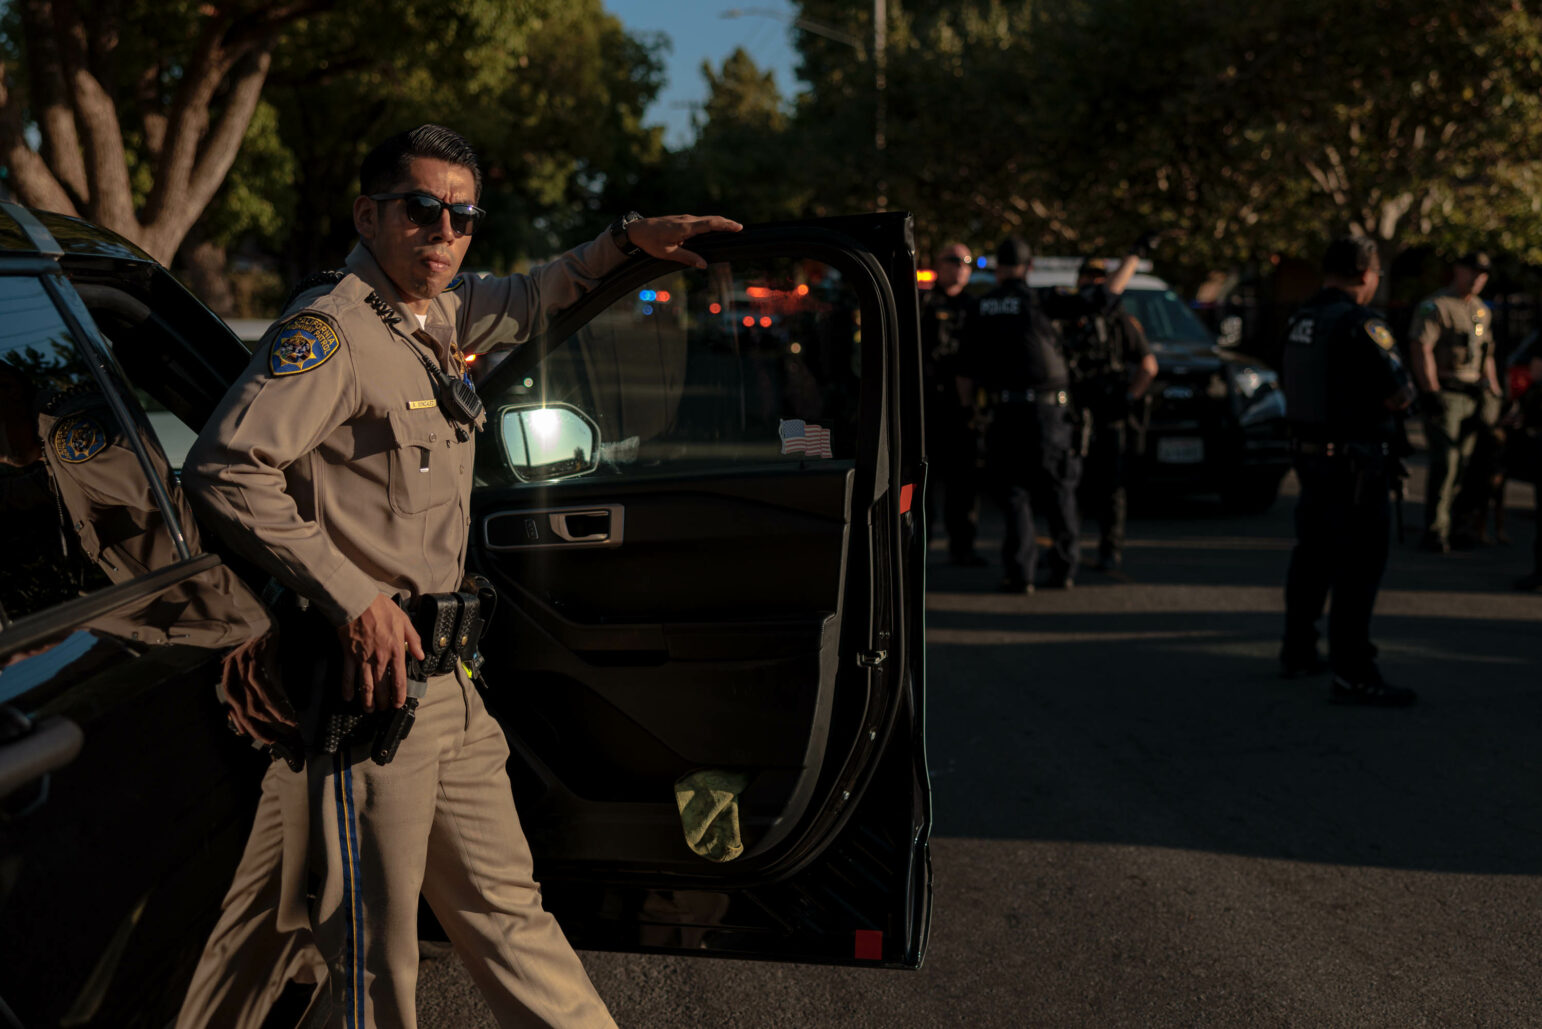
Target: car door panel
(752,615)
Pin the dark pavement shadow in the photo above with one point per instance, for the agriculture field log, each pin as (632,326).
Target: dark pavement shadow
(1173,729)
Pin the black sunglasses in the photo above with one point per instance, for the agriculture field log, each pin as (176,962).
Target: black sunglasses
(425,209)
(955,259)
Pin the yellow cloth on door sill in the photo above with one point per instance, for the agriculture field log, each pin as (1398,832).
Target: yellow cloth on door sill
(709,812)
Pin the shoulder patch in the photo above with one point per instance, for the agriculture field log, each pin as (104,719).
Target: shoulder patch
(455,284)
(306,341)
(1379,333)
(77,438)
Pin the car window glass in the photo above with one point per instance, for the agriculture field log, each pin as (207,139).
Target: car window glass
(1165,317)
(748,363)
(79,510)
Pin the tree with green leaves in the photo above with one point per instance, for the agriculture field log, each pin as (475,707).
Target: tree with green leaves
(130,113)
(1241,132)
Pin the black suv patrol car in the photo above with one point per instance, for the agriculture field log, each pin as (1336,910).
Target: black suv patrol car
(1216,421)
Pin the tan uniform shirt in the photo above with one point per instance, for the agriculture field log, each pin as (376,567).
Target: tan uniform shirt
(330,462)
(1459,330)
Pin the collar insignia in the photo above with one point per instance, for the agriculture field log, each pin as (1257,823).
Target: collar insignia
(78,438)
(455,284)
(305,342)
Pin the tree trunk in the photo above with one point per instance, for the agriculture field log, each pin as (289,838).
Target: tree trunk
(205,273)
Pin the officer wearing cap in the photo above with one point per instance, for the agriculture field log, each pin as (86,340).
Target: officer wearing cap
(1452,358)
(340,462)
(1112,366)
(1345,389)
(946,310)
(1016,356)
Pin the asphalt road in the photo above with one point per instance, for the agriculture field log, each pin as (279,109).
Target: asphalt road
(1138,823)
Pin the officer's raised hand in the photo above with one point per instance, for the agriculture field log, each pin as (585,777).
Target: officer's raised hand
(662,237)
(375,646)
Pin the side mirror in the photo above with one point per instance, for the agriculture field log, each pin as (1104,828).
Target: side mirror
(545,442)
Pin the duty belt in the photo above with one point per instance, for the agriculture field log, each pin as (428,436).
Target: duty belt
(1053,397)
(1311,448)
(1472,389)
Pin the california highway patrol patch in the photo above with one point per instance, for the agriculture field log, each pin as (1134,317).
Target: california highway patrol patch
(305,342)
(455,284)
(1379,333)
(78,438)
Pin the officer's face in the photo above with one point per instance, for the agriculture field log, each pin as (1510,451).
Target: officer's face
(420,260)
(1469,281)
(1369,285)
(953,267)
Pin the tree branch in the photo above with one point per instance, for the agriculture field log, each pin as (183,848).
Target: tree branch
(55,119)
(96,116)
(31,179)
(187,120)
(166,232)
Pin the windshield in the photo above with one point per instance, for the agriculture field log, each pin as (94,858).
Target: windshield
(1165,317)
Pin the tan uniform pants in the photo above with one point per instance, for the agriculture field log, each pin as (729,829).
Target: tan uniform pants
(1450,438)
(439,820)
(262,939)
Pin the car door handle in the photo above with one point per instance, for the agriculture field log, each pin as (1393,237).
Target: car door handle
(582,526)
(556,528)
(47,745)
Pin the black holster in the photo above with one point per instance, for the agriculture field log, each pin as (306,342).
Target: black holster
(449,625)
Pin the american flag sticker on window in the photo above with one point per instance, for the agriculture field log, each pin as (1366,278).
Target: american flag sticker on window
(799,437)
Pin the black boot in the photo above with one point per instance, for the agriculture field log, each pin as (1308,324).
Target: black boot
(1370,690)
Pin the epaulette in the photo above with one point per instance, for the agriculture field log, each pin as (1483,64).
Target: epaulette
(382,308)
(310,282)
(61,399)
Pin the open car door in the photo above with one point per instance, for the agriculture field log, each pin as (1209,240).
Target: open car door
(695,500)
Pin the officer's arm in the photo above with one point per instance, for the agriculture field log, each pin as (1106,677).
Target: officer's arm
(1424,333)
(1145,375)
(1380,350)
(1123,274)
(500,311)
(1491,373)
(1146,366)
(234,474)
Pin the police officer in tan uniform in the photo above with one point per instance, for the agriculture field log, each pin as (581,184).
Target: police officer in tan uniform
(1452,358)
(341,463)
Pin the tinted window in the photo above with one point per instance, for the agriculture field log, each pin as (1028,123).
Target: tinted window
(1165,317)
(744,364)
(79,510)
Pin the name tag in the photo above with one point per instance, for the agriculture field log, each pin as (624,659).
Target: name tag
(418,405)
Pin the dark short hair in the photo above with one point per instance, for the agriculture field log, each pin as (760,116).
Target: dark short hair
(1477,260)
(1349,256)
(386,165)
(1095,267)
(1013,251)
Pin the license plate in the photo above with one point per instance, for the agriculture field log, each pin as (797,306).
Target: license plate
(1181,450)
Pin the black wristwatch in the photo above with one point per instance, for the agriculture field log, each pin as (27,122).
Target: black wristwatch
(620,238)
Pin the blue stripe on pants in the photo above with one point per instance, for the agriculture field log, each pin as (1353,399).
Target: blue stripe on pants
(353,902)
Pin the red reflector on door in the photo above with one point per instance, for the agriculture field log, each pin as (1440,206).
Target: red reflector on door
(907,493)
(869,942)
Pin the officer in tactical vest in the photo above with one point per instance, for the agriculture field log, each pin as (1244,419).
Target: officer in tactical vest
(1111,368)
(951,438)
(1014,353)
(1454,368)
(1345,390)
